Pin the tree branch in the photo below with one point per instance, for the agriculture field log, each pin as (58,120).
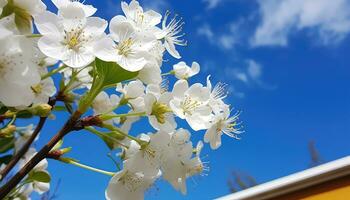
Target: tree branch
(26,146)
(69,126)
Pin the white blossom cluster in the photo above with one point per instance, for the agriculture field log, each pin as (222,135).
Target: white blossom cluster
(137,42)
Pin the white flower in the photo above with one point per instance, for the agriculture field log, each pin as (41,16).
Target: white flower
(178,152)
(66,7)
(24,136)
(182,71)
(43,91)
(195,165)
(103,104)
(131,48)
(146,159)
(142,21)
(131,90)
(69,40)
(82,79)
(221,124)
(171,35)
(18,71)
(33,7)
(157,52)
(158,110)
(191,103)
(39,187)
(150,74)
(217,94)
(128,184)
(8,26)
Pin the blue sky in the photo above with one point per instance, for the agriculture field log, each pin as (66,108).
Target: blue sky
(288,69)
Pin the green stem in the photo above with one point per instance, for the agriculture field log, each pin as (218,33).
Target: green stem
(102,135)
(87,100)
(113,128)
(111,116)
(33,35)
(168,73)
(69,161)
(45,76)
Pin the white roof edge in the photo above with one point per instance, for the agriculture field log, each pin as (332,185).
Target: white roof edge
(293,182)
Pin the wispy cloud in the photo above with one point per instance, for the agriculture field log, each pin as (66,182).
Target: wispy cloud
(250,74)
(211,4)
(328,19)
(226,40)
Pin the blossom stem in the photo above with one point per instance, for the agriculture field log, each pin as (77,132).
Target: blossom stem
(102,135)
(168,73)
(113,128)
(108,117)
(70,161)
(33,35)
(45,76)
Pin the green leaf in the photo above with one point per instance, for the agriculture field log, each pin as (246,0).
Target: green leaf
(107,74)
(112,73)
(40,176)
(5,159)
(6,144)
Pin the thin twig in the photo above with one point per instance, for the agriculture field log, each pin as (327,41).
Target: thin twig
(69,126)
(27,145)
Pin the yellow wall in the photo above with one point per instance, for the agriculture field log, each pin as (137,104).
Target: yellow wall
(337,189)
(342,193)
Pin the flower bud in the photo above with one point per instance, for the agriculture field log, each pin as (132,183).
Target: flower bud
(56,154)
(7,131)
(42,110)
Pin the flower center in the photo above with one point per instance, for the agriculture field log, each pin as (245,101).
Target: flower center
(37,89)
(124,47)
(189,105)
(6,65)
(131,181)
(159,110)
(139,18)
(75,38)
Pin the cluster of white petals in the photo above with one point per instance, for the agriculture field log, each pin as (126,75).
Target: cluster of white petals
(134,45)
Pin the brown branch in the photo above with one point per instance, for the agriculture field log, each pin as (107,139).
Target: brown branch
(27,145)
(42,154)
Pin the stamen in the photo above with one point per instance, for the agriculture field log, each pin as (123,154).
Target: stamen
(189,105)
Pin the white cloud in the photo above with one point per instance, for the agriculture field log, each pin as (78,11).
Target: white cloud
(329,19)
(206,31)
(225,41)
(211,4)
(254,70)
(251,74)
